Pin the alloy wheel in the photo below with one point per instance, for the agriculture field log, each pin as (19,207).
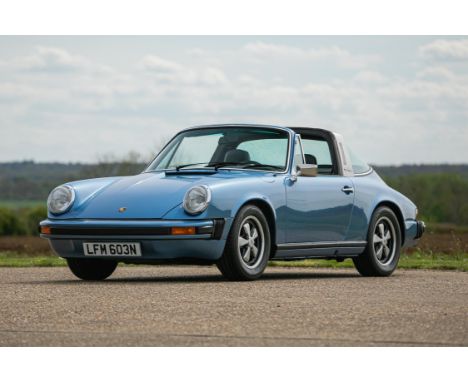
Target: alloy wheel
(384,240)
(251,242)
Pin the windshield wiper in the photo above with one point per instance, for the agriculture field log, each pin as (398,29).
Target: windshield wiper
(245,165)
(214,165)
(217,165)
(188,165)
(254,165)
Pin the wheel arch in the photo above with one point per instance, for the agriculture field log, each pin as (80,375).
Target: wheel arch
(397,211)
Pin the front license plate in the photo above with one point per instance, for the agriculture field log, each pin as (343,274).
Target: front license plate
(112,249)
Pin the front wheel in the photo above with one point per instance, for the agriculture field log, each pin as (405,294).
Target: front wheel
(382,253)
(91,269)
(248,246)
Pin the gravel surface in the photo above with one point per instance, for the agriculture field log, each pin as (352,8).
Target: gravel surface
(194,306)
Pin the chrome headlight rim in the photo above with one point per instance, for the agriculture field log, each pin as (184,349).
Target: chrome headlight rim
(71,191)
(206,191)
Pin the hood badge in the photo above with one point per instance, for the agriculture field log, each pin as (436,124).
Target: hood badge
(122,209)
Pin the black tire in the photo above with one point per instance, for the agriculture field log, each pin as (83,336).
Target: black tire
(91,269)
(236,264)
(375,261)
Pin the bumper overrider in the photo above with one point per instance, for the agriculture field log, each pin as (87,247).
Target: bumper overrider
(414,229)
(159,239)
(420,228)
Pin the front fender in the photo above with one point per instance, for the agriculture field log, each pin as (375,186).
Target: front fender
(229,197)
(252,197)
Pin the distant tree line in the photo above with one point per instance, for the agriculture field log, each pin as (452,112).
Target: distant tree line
(439,191)
(441,198)
(21,221)
(33,181)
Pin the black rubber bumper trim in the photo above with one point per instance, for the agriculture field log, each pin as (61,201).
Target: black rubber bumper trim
(218,228)
(98,231)
(136,231)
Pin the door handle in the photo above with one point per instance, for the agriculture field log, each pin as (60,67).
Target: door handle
(347,190)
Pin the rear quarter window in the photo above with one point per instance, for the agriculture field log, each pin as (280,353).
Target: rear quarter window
(359,166)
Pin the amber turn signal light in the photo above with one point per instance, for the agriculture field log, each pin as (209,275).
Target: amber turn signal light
(45,230)
(183,230)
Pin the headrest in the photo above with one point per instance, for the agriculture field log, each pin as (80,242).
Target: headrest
(238,156)
(310,159)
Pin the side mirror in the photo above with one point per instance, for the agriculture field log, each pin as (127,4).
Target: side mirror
(307,170)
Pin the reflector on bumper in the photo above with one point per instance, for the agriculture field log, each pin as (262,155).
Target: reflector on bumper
(183,230)
(45,230)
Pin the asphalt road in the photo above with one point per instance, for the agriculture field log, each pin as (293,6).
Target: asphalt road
(185,306)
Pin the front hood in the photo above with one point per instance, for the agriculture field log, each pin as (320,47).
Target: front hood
(144,196)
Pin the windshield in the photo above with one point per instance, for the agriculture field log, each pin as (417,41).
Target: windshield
(240,147)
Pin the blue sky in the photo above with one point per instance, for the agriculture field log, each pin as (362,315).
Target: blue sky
(395,99)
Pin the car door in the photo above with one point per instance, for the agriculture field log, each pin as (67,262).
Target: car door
(318,208)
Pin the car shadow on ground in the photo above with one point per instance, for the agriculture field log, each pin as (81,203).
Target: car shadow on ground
(220,278)
(204,278)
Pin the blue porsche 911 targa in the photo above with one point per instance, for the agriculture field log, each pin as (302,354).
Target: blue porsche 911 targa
(236,196)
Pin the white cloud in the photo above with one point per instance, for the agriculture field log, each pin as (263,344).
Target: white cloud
(369,77)
(371,100)
(10,91)
(48,58)
(171,72)
(330,54)
(436,73)
(160,65)
(423,90)
(446,50)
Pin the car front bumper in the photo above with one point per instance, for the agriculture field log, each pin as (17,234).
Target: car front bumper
(159,239)
(420,228)
(414,229)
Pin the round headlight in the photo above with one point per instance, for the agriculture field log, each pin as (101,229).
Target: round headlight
(60,199)
(196,199)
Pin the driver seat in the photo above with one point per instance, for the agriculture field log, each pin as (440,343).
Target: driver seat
(237,156)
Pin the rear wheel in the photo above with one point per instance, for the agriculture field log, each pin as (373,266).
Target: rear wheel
(248,246)
(91,269)
(382,253)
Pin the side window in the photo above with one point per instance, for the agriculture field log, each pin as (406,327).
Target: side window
(317,151)
(298,154)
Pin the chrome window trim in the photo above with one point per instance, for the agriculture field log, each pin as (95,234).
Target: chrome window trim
(365,173)
(342,155)
(272,127)
(299,140)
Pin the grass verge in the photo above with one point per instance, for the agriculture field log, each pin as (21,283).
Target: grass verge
(415,260)
(18,260)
